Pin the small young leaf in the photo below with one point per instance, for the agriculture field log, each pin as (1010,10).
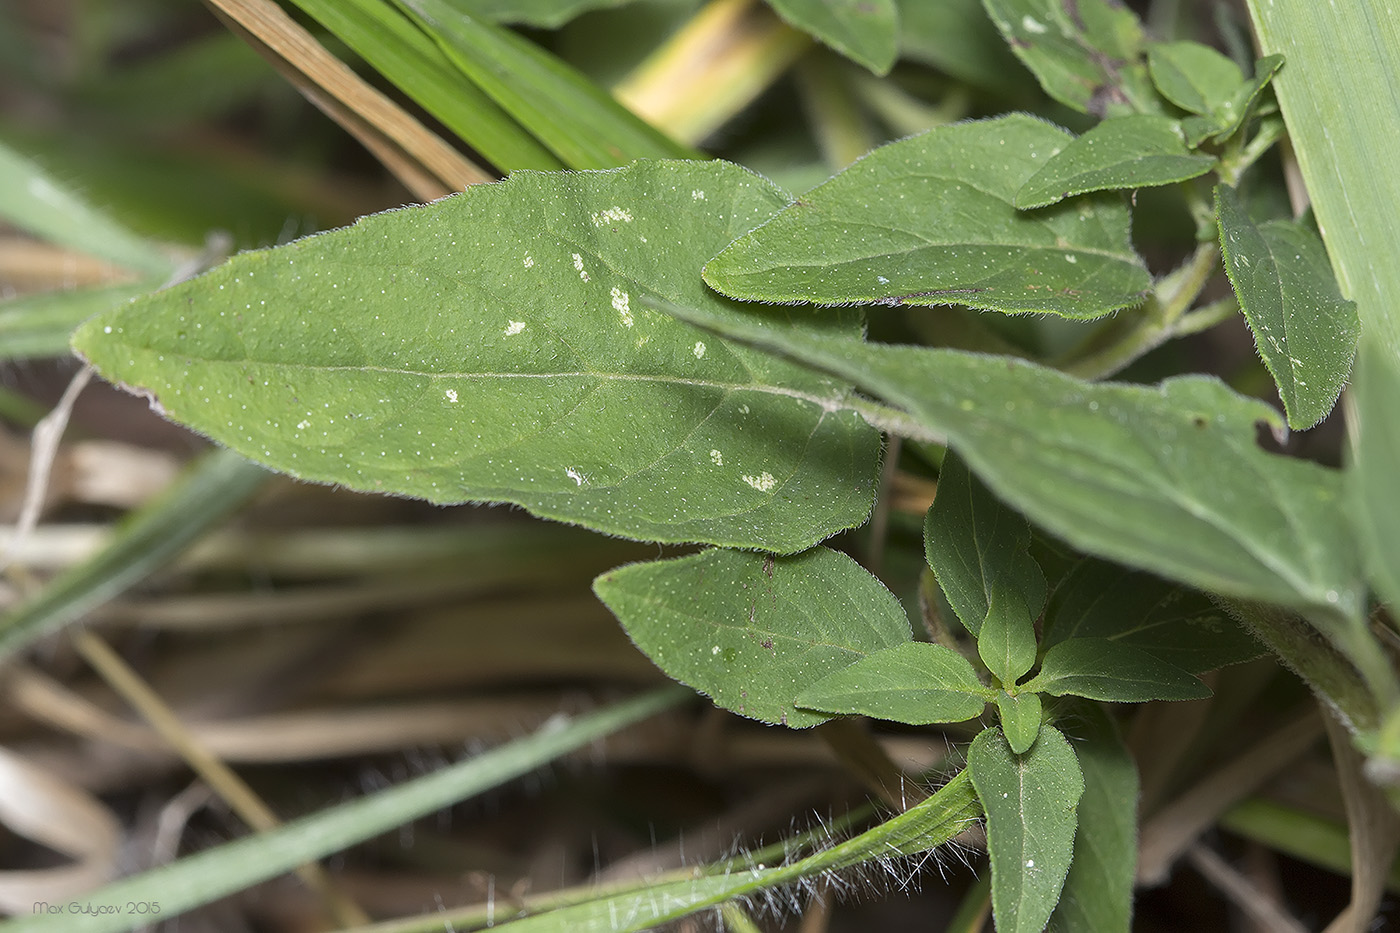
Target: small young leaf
(1030,801)
(1020,719)
(930,220)
(1098,599)
(1100,669)
(490,346)
(752,631)
(1304,329)
(1197,78)
(864,31)
(1006,641)
(1086,54)
(915,683)
(1136,151)
(1098,892)
(1193,76)
(975,545)
(1165,478)
(1372,492)
(580,122)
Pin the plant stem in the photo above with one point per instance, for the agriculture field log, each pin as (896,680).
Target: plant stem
(712,68)
(1158,321)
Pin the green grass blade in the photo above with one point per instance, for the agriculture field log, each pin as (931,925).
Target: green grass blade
(40,325)
(400,51)
(205,877)
(579,121)
(209,492)
(32,200)
(1338,91)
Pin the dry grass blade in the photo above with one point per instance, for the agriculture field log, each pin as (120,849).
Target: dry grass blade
(1374,830)
(47,810)
(1171,832)
(228,784)
(422,161)
(1255,903)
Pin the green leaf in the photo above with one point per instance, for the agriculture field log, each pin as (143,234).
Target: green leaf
(975,545)
(34,201)
(956,37)
(1006,641)
(1304,330)
(864,31)
(927,824)
(914,682)
(578,121)
(40,325)
(752,631)
(399,50)
(547,14)
(209,492)
(1098,599)
(1030,801)
(1164,478)
(1020,719)
(1373,494)
(1337,96)
(1199,79)
(1100,669)
(1135,151)
(490,346)
(1086,54)
(214,873)
(1098,892)
(931,220)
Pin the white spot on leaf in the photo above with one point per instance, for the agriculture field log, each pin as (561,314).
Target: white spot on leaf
(514,327)
(697,195)
(529,261)
(451,395)
(621,303)
(612,215)
(1034,26)
(578,266)
(716,458)
(578,478)
(763,482)
(699,350)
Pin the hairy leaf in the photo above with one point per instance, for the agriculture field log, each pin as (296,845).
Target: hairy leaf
(914,682)
(1020,719)
(931,220)
(1030,801)
(1098,599)
(1135,151)
(753,631)
(862,30)
(490,347)
(975,544)
(1100,669)
(1305,331)
(1086,53)
(1165,478)
(1098,892)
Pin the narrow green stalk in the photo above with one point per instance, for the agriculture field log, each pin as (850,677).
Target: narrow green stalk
(1157,322)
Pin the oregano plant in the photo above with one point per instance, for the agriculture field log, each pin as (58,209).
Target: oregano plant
(673,349)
